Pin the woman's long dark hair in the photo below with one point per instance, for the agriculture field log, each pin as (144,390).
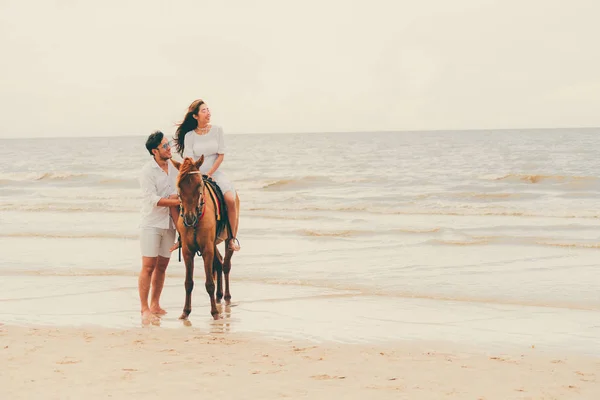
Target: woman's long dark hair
(189,123)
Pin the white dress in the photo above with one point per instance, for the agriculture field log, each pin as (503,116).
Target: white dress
(211,145)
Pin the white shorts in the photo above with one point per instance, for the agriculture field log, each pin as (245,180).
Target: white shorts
(156,242)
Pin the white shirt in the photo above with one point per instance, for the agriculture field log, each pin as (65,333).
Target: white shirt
(156,185)
(210,144)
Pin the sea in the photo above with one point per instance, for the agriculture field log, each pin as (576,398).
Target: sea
(489,238)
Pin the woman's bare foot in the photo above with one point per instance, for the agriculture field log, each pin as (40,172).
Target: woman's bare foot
(157,310)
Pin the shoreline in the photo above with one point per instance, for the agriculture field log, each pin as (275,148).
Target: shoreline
(296,312)
(95,362)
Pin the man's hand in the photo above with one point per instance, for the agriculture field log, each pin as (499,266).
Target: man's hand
(171,201)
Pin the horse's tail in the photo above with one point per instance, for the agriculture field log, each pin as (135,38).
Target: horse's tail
(217,265)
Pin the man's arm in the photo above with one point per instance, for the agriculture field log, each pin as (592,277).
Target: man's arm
(171,201)
(150,196)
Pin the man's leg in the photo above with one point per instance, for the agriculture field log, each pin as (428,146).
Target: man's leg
(144,279)
(158,281)
(149,245)
(158,277)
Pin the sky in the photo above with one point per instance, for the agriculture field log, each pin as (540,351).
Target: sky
(129,67)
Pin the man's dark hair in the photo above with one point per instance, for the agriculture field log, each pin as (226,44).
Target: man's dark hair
(154,141)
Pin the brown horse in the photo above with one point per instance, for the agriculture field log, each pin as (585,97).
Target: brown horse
(197,227)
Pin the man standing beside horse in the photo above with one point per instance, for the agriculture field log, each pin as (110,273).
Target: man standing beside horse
(157,230)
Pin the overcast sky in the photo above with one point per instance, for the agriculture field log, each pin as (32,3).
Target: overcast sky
(127,67)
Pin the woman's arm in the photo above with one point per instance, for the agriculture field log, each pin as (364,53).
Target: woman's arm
(220,152)
(215,166)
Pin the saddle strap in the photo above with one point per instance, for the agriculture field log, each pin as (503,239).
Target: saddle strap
(220,206)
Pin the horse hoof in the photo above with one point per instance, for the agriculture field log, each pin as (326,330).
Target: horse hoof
(184,316)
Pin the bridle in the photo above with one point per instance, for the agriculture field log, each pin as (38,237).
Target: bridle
(199,206)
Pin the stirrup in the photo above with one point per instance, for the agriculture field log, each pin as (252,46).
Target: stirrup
(231,243)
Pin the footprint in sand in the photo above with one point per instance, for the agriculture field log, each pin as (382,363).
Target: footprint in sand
(68,360)
(325,377)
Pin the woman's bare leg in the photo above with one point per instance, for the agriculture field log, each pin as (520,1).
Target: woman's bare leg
(232,212)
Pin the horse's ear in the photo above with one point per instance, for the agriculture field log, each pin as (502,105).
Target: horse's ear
(199,162)
(175,163)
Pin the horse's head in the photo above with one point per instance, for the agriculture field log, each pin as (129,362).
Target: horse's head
(191,188)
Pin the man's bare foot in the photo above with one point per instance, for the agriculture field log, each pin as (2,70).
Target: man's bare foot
(157,310)
(149,318)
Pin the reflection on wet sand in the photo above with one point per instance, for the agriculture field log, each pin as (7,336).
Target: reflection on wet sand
(223,324)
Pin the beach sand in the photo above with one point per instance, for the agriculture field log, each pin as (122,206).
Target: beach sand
(153,362)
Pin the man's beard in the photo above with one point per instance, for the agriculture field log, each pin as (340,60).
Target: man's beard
(166,158)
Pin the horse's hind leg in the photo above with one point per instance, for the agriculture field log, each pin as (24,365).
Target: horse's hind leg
(218,273)
(226,270)
(209,283)
(188,258)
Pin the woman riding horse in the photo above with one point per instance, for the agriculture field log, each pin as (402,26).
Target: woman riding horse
(195,137)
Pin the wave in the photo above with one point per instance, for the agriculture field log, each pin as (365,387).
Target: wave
(344,233)
(68,208)
(298,183)
(464,242)
(490,196)
(577,245)
(473,212)
(64,178)
(315,208)
(99,235)
(365,232)
(537,178)
(515,240)
(58,176)
(42,176)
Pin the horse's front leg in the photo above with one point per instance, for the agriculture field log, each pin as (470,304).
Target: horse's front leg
(188,258)
(208,256)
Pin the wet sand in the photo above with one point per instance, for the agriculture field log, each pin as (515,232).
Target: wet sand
(301,312)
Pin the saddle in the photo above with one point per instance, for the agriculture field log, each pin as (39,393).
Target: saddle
(220,207)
